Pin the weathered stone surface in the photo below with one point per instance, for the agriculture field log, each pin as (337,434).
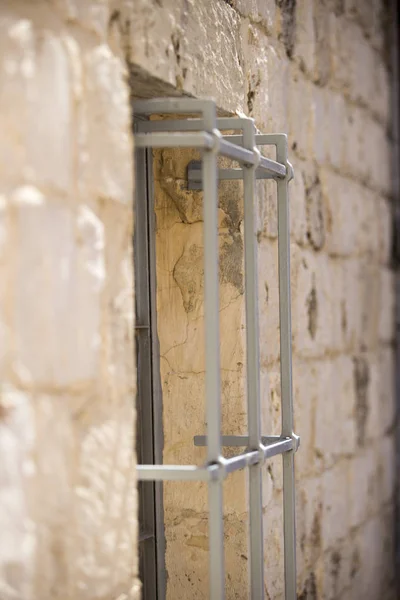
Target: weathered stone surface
(315,70)
(67,482)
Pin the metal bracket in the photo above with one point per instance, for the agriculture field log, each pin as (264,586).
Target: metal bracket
(195,174)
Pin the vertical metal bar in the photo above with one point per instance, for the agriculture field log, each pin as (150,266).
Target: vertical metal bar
(212,357)
(158,427)
(286,373)
(145,433)
(256,557)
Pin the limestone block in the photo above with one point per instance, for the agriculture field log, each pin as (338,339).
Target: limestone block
(370,308)
(368,233)
(384,210)
(92,15)
(185,49)
(321,143)
(105,499)
(364,486)
(309,514)
(323,43)
(349,304)
(368,579)
(305,46)
(105,140)
(341,38)
(334,129)
(315,209)
(306,390)
(333,570)
(17,548)
(267,213)
(316,301)
(387,402)
(335,520)
(363,84)
(377,161)
(366,390)
(60,278)
(17,67)
(263,13)
(335,403)
(343,392)
(342,213)
(278,92)
(326,403)
(300,115)
(386,306)
(273,550)
(387,469)
(356,151)
(380,101)
(4,279)
(50,146)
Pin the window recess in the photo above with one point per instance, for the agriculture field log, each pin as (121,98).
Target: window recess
(204,133)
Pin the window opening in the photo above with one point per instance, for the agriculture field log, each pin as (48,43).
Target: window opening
(204,133)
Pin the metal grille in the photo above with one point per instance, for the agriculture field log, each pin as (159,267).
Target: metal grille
(204,133)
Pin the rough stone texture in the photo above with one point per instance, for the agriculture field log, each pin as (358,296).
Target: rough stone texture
(317,70)
(67,474)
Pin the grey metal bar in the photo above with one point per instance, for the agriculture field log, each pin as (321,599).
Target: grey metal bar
(256,549)
(212,360)
(223,123)
(195,179)
(198,139)
(286,373)
(230,150)
(202,139)
(187,106)
(236,463)
(203,133)
(158,425)
(242,440)
(175,473)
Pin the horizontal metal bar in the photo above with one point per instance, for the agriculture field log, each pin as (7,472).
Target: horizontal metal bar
(199,139)
(224,123)
(280,447)
(235,463)
(237,440)
(235,152)
(262,139)
(273,167)
(202,139)
(156,106)
(270,446)
(195,181)
(176,473)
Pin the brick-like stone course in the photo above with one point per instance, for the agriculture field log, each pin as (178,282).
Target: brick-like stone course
(68,509)
(316,70)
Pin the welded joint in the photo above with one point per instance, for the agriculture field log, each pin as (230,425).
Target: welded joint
(296,441)
(216,145)
(217,470)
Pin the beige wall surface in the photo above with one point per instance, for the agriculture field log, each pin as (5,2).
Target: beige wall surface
(318,70)
(68,521)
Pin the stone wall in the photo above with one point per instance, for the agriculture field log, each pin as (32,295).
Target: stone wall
(67,480)
(317,70)
(320,72)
